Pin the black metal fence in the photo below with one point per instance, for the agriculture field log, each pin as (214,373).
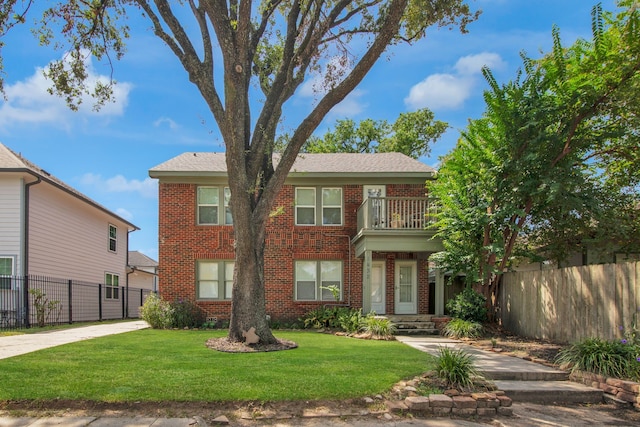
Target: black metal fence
(27,301)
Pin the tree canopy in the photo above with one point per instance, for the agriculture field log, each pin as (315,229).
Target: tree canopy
(410,134)
(553,163)
(226,49)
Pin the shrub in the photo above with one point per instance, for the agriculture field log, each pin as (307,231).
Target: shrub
(468,305)
(459,328)
(350,320)
(324,317)
(186,314)
(377,327)
(455,367)
(618,359)
(157,312)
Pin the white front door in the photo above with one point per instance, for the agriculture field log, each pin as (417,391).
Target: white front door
(378,290)
(406,287)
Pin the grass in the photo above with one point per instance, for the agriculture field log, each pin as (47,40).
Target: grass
(160,365)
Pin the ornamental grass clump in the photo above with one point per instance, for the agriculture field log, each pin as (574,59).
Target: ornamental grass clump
(377,327)
(617,359)
(460,328)
(456,368)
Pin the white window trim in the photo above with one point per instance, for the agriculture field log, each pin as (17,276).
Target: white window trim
(114,239)
(13,270)
(112,287)
(222,279)
(319,206)
(318,280)
(222,206)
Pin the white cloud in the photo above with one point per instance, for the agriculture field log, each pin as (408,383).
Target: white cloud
(28,101)
(123,213)
(450,91)
(166,121)
(350,106)
(119,184)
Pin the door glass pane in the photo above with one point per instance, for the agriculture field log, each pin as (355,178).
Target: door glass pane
(376,285)
(405,285)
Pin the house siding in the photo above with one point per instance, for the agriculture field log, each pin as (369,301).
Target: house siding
(69,238)
(11,207)
(182,242)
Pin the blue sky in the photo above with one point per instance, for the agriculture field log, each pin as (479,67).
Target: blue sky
(158,114)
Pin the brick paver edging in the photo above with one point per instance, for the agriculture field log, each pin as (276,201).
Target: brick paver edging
(621,391)
(483,404)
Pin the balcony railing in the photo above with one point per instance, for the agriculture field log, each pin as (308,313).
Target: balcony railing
(409,213)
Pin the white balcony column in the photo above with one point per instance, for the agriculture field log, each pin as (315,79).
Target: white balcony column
(439,292)
(366,281)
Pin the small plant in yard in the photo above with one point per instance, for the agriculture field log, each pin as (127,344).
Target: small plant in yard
(459,328)
(455,368)
(46,310)
(186,314)
(157,312)
(377,327)
(468,305)
(618,359)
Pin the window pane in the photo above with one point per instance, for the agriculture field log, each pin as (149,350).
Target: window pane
(207,271)
(306,196)
(306,270)
(305,216)
(331,275)
(228,219)
(207,214)
(306,290)
(327,295)
(6,266)
(113,232)
(332,216)
(332,197)
(208,289)
(207,196)
(228,280)
(115,281)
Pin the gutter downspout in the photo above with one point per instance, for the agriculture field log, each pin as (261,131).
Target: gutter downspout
(25,255)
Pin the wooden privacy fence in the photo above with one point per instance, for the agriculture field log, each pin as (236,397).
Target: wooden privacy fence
(569,304)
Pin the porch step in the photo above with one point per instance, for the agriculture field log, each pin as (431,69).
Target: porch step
(549,392)
(418,324)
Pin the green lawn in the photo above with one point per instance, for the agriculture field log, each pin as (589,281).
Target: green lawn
(156,365)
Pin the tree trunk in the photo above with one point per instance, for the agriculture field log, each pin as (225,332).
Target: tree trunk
(248,306)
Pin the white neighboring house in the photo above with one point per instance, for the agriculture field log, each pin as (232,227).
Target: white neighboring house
(143,271)
(49,229)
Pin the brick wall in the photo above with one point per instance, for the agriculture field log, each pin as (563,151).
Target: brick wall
(182,243)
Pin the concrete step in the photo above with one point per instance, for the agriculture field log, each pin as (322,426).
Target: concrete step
(533,374)
(417,331)
(548,392)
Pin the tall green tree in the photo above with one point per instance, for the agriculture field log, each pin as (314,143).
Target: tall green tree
(553,161)
(410,134)
(273,45)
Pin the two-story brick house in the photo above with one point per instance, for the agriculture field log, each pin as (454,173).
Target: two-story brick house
(356,222)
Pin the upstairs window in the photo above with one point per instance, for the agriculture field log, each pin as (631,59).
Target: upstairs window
(322,206)
(113,238)
(209,206)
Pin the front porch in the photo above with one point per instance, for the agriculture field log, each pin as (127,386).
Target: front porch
(398,231)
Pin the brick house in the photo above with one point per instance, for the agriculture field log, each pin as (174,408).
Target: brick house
(357,222)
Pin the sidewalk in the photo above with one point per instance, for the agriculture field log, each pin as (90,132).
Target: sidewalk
(16,345)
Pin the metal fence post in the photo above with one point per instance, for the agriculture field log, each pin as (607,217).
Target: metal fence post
(124,315)
(100,301)
(25,302)
(70,293)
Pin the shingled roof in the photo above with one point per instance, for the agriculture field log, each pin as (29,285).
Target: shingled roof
(11,161)
(214,164)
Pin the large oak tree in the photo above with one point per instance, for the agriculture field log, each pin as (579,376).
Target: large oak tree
(226,47)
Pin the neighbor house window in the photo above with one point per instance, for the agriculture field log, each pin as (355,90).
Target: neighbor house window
(318,206)
(6,271)
(209,209)
(214,279)
(316,279)
(113,238)
(111,286)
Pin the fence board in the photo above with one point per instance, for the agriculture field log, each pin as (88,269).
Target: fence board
(571,303)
